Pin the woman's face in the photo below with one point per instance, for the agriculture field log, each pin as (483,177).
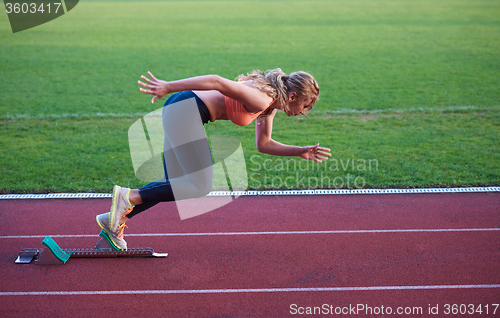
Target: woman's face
(297,105)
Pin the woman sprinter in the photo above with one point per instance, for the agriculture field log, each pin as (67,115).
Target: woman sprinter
(187,158)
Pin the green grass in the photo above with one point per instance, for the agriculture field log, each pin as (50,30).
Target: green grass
(398,62)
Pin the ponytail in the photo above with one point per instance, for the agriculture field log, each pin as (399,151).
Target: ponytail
(277,85)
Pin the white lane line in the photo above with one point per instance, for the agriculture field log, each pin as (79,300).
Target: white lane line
(261,233)
(71,115)
(315,112)
(249,290)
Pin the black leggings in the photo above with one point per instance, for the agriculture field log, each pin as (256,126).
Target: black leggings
(186,156)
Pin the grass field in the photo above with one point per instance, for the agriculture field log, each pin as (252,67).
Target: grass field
(411,87)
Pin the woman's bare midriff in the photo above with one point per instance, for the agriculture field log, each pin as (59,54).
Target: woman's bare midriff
(215,104)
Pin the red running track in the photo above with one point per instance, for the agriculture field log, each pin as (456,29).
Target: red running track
(263,256)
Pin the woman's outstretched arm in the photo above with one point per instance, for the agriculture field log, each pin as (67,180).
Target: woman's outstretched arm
(251,97)
(265,144)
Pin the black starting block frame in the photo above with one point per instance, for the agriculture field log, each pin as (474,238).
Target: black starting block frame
(54,255)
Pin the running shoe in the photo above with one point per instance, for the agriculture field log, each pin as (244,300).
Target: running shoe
(116,236)
(121,206)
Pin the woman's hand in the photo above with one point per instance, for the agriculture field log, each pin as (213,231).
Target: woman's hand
(154,86)
(315,153)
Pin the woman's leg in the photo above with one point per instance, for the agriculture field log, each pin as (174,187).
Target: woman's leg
(187,159)
(187,156)
(187,163)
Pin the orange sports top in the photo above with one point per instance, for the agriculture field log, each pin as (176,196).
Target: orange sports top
(237,113)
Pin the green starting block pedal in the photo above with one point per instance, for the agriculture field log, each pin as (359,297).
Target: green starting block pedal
(107,244)
(54,255)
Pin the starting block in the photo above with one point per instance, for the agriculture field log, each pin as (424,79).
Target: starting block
(54,255)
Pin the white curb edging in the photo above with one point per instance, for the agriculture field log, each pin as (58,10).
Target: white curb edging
(257,193)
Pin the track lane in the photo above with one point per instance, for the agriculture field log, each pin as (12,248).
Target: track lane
(264,213)
(278,262)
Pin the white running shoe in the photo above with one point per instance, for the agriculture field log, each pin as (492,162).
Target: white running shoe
(121,206)
(115,236)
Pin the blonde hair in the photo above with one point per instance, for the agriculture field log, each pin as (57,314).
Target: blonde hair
(277,85)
